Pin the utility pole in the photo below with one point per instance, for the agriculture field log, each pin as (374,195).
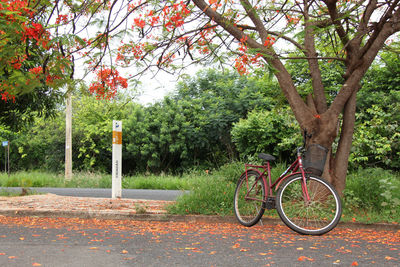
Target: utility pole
(68,137)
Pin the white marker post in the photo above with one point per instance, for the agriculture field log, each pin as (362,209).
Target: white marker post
(117,159)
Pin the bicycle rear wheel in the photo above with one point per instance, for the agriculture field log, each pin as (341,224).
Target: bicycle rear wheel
(317,216)
(249,198)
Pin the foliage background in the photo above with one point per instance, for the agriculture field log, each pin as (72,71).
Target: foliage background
(210,119)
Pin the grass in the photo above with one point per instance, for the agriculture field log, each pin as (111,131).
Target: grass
(166,182)
(95,180)
(7,193)
(14,193)
(210,195)
(371,195)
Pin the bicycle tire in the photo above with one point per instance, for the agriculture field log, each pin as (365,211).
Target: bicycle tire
(316,217)
(249,211)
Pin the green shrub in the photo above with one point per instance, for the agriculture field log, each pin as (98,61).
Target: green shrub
(373,189)
(275,132)
(376,139)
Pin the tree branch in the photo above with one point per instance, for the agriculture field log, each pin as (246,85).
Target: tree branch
(315,72)
(255,19)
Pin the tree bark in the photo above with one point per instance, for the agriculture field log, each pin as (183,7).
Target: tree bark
(340,162)
(315,71)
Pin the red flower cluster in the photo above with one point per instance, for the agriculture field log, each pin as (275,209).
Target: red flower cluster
(139,22)
(204,41)
(33,32)
(108,81)
(153,20)
(17,8)
(5,96)
(292,20)
(240,64)
(136,50)
(62,19)
(17,61)
(36,70)
(269,42)
(214,4)
(51,78)
(245,59)
(174,15)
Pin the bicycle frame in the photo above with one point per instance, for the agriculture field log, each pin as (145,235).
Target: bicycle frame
(305,202)
(295,168)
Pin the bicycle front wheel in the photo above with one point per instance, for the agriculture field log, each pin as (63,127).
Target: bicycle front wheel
(249,198)
(316,216)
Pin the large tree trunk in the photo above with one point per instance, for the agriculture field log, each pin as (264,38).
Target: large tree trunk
(339,164)
(323,130)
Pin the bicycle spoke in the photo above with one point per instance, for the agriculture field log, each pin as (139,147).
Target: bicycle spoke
(249,196)
(314,216)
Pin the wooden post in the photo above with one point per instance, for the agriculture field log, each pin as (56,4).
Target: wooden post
(68,137)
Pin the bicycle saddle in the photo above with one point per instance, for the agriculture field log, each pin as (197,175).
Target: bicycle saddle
(266,157)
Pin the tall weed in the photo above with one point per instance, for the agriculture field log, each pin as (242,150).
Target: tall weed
(210,195)
(373,190)
(95,180)
(157,182)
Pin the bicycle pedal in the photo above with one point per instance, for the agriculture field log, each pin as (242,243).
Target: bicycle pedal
(270,203)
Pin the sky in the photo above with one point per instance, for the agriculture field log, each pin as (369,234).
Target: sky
(155,88)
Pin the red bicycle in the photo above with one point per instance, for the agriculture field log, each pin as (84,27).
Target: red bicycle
(305,202)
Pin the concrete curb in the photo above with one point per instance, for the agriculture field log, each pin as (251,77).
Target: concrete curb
(372,226)
(111,215)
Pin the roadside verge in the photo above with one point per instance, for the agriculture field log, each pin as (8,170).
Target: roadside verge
(55,206)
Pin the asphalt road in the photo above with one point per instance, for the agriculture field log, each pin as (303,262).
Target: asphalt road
(77,242)
(106,193)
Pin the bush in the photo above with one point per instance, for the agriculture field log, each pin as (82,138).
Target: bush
(275,132)
(376,139)
(373,189)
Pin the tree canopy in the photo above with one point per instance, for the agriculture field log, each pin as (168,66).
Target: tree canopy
(214,118)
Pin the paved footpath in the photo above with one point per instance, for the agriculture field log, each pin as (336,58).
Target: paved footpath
(50,205)
(54,206)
